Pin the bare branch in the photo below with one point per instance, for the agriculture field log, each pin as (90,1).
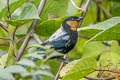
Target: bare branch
(84,11)
(4,38)
(27,38)
(36,38)
(4,44)
(86,8)
(107,78)
(60,67)
(8,5)
(75,5)
(2,26)
(102,8)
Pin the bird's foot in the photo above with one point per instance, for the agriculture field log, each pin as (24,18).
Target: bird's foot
(63,60)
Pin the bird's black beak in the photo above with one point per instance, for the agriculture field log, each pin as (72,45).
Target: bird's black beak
(80,18)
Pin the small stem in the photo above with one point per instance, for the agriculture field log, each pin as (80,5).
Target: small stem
(107,78)
(2,26)
(98,13)
(4,38)
(73,3)
(4,44)
(36,38)
(103,9)
(8,5)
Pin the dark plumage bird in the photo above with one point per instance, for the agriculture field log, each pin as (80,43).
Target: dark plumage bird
(65,38)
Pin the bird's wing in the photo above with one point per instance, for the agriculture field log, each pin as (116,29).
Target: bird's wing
(60,42)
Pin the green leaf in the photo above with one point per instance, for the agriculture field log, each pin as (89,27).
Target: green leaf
(14,4)
(4,75)
(3,60)
(55,54)
(16,22)
(11,57)
(54,8)
(108,30)
(110,59)
(78,69)
(26,62)
(40,72)
(17,69)
(36,54)
(92,49)
(115,7)
(29,12)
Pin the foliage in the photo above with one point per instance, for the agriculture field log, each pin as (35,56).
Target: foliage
(98,46)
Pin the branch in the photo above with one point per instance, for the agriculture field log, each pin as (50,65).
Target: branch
(84,11)
(102,8)
(36,38)
(3,38)
(105,11)
(107,78)
(4,44)
(27,38)
(60,67)
(8,5)
(86,8)
(76,5)
(2,26)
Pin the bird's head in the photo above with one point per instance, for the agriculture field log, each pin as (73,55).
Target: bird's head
(72,22)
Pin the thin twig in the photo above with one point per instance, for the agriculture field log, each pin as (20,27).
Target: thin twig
(36,38)
(73,3)
(86,8)
(8,5)
(98,14)
(107,78)
(4,44)
(27,38)
(103,9)
(2,26)
(60,67)
(84,11)
(3,38)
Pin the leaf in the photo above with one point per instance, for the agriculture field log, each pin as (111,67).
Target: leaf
(3,60)
(78,69)
(54,7)
(108,30)
(14,4)
(40,72)
(29,12)
(92,49)
(36,55)
(17,69)
(16,22)
(4,75)
(11,57)
(55,54)
(26,62)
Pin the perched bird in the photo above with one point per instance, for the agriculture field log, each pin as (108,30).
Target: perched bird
(65,38)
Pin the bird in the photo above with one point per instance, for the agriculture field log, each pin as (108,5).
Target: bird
(65,38)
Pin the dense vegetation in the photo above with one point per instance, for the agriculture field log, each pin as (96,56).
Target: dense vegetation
(96,55)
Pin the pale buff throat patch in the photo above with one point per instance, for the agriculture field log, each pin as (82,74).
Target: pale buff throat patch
(73,25)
